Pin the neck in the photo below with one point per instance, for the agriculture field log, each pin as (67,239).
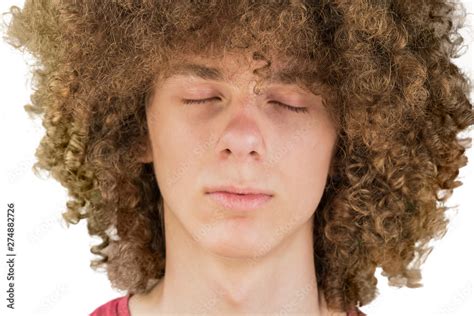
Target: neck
(282,280)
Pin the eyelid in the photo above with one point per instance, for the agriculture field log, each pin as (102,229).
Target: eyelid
(286,106)
(186,101)
(291,108)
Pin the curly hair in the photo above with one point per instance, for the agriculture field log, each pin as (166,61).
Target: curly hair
(383,67)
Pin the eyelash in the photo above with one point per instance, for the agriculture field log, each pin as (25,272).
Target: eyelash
(286,106)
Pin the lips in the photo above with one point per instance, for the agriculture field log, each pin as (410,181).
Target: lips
(237,190)
(240,202)
(241,199)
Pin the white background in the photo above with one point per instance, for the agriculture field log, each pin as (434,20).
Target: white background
(52,274)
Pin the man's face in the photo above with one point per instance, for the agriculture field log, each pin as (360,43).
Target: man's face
(237,138)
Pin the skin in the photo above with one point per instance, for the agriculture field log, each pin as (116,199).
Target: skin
(221,261)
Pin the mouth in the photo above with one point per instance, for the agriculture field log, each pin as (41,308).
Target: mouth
(237,190)
(239,202)
(240,199)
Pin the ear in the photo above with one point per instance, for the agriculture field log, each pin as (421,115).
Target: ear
(147,153)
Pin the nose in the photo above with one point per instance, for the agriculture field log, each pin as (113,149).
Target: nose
(242,138)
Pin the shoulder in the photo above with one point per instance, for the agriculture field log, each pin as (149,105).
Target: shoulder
(352,311)
(355,311)
(115,307)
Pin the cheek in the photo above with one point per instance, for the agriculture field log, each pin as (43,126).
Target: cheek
(307,166)
(178,152)
(170,141)
(306,169)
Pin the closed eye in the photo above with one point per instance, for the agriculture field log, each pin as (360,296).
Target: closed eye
(187,101)
(291,108)
(286,106)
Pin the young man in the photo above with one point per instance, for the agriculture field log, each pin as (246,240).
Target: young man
(250,156)
(241,253)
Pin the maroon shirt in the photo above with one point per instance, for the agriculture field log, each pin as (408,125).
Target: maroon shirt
(119,307)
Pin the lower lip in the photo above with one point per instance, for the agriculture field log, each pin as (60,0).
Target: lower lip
(240,202)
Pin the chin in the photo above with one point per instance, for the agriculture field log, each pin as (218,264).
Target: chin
(250,253)
(234,243)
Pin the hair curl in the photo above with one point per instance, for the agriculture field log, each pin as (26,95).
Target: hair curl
(385,71)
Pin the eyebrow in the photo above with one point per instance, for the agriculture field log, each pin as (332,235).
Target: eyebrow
(197,70)
(283,76)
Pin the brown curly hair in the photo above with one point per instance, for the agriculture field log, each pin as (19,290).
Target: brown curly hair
(383,67)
